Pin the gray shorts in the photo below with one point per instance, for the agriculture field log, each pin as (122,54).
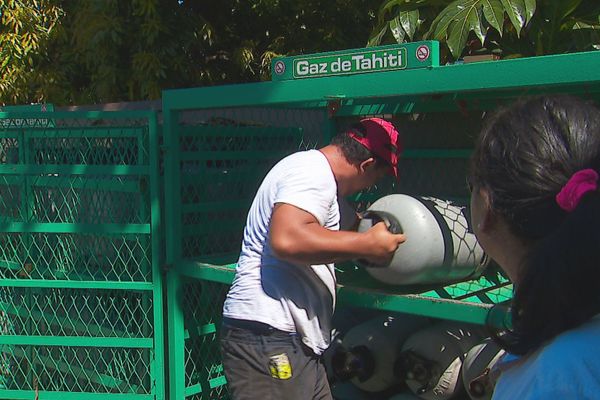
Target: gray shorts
(271,365)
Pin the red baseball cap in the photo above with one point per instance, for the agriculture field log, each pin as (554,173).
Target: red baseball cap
(381,138)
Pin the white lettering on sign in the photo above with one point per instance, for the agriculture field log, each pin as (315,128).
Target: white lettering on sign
(305,68)
(362,63)
(350,63)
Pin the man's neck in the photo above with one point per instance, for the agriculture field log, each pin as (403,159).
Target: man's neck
(340,167)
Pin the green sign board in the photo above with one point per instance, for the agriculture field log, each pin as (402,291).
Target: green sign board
(357,61)
(9,122)
(28,108)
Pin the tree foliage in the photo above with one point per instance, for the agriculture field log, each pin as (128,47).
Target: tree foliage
(92,51)
(511,28)
(25,31)
(97,51)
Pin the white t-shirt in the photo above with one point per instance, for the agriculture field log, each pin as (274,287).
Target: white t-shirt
(292,298)
(567,368)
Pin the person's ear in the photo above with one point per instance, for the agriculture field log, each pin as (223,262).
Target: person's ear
(368,163)
(489,217)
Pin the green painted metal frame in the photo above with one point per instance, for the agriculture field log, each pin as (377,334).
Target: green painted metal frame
(173,256)
(488,79)
(480,86)
(425,304)
(155,344)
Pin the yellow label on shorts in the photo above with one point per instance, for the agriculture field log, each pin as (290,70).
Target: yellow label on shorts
(280,367)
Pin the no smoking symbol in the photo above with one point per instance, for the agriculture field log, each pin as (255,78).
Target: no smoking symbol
(279,67)
(422,53)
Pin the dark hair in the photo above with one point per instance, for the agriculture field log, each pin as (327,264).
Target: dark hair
(523,157)
(353,151)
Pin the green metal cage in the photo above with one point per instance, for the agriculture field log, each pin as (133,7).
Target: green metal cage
(221,141)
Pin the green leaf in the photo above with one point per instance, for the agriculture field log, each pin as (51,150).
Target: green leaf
(554,12)
(466,19)
(567,7)
(582,25)
(441,23)
(530,6)
(409,21)
(479,28)
(494,14)
(459,18)
(516,13)
(376,39)
(397,30)
(389,5)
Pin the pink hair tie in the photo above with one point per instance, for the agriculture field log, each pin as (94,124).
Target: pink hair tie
(580,183)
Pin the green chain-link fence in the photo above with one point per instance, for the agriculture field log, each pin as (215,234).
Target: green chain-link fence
(80,288)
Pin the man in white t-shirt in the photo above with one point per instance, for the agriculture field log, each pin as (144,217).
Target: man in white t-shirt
(277,314)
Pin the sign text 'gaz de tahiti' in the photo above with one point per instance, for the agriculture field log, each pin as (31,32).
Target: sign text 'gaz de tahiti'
(377,59)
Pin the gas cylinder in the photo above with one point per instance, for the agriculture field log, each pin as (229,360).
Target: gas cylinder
(367,353)
(430,359)
(476,368)
(344,319)
(440,247)
(407,395)
(348,391)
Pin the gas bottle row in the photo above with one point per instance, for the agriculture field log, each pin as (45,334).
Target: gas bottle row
(440,247)
(431,360)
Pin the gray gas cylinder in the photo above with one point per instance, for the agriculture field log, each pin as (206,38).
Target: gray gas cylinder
(344,319)
(477,366)
(368,351)
(348,391)
(440,247)
(430,360)
(404,396)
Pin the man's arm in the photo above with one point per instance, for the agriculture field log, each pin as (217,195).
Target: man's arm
(297,237)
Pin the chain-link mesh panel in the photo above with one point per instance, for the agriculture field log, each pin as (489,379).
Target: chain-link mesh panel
(77,369)
(79,295)
(75,257)
(437,177)
(6,328)
(203,304)
(491,288)
(224,156)
(10,200)
(89,200)
(9,150)
(77,312)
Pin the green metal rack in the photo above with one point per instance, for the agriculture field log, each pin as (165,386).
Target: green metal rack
(209,186)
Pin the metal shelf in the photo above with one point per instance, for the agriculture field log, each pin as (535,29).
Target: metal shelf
(467,301)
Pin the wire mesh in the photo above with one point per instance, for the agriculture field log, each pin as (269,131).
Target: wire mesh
(224,154)
(202,313)
(76,257)
(81,369)
(78,264)
(78,312)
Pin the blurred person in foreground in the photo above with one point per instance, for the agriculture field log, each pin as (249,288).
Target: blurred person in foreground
(535,209)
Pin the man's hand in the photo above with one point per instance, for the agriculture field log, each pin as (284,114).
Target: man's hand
(384,244)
